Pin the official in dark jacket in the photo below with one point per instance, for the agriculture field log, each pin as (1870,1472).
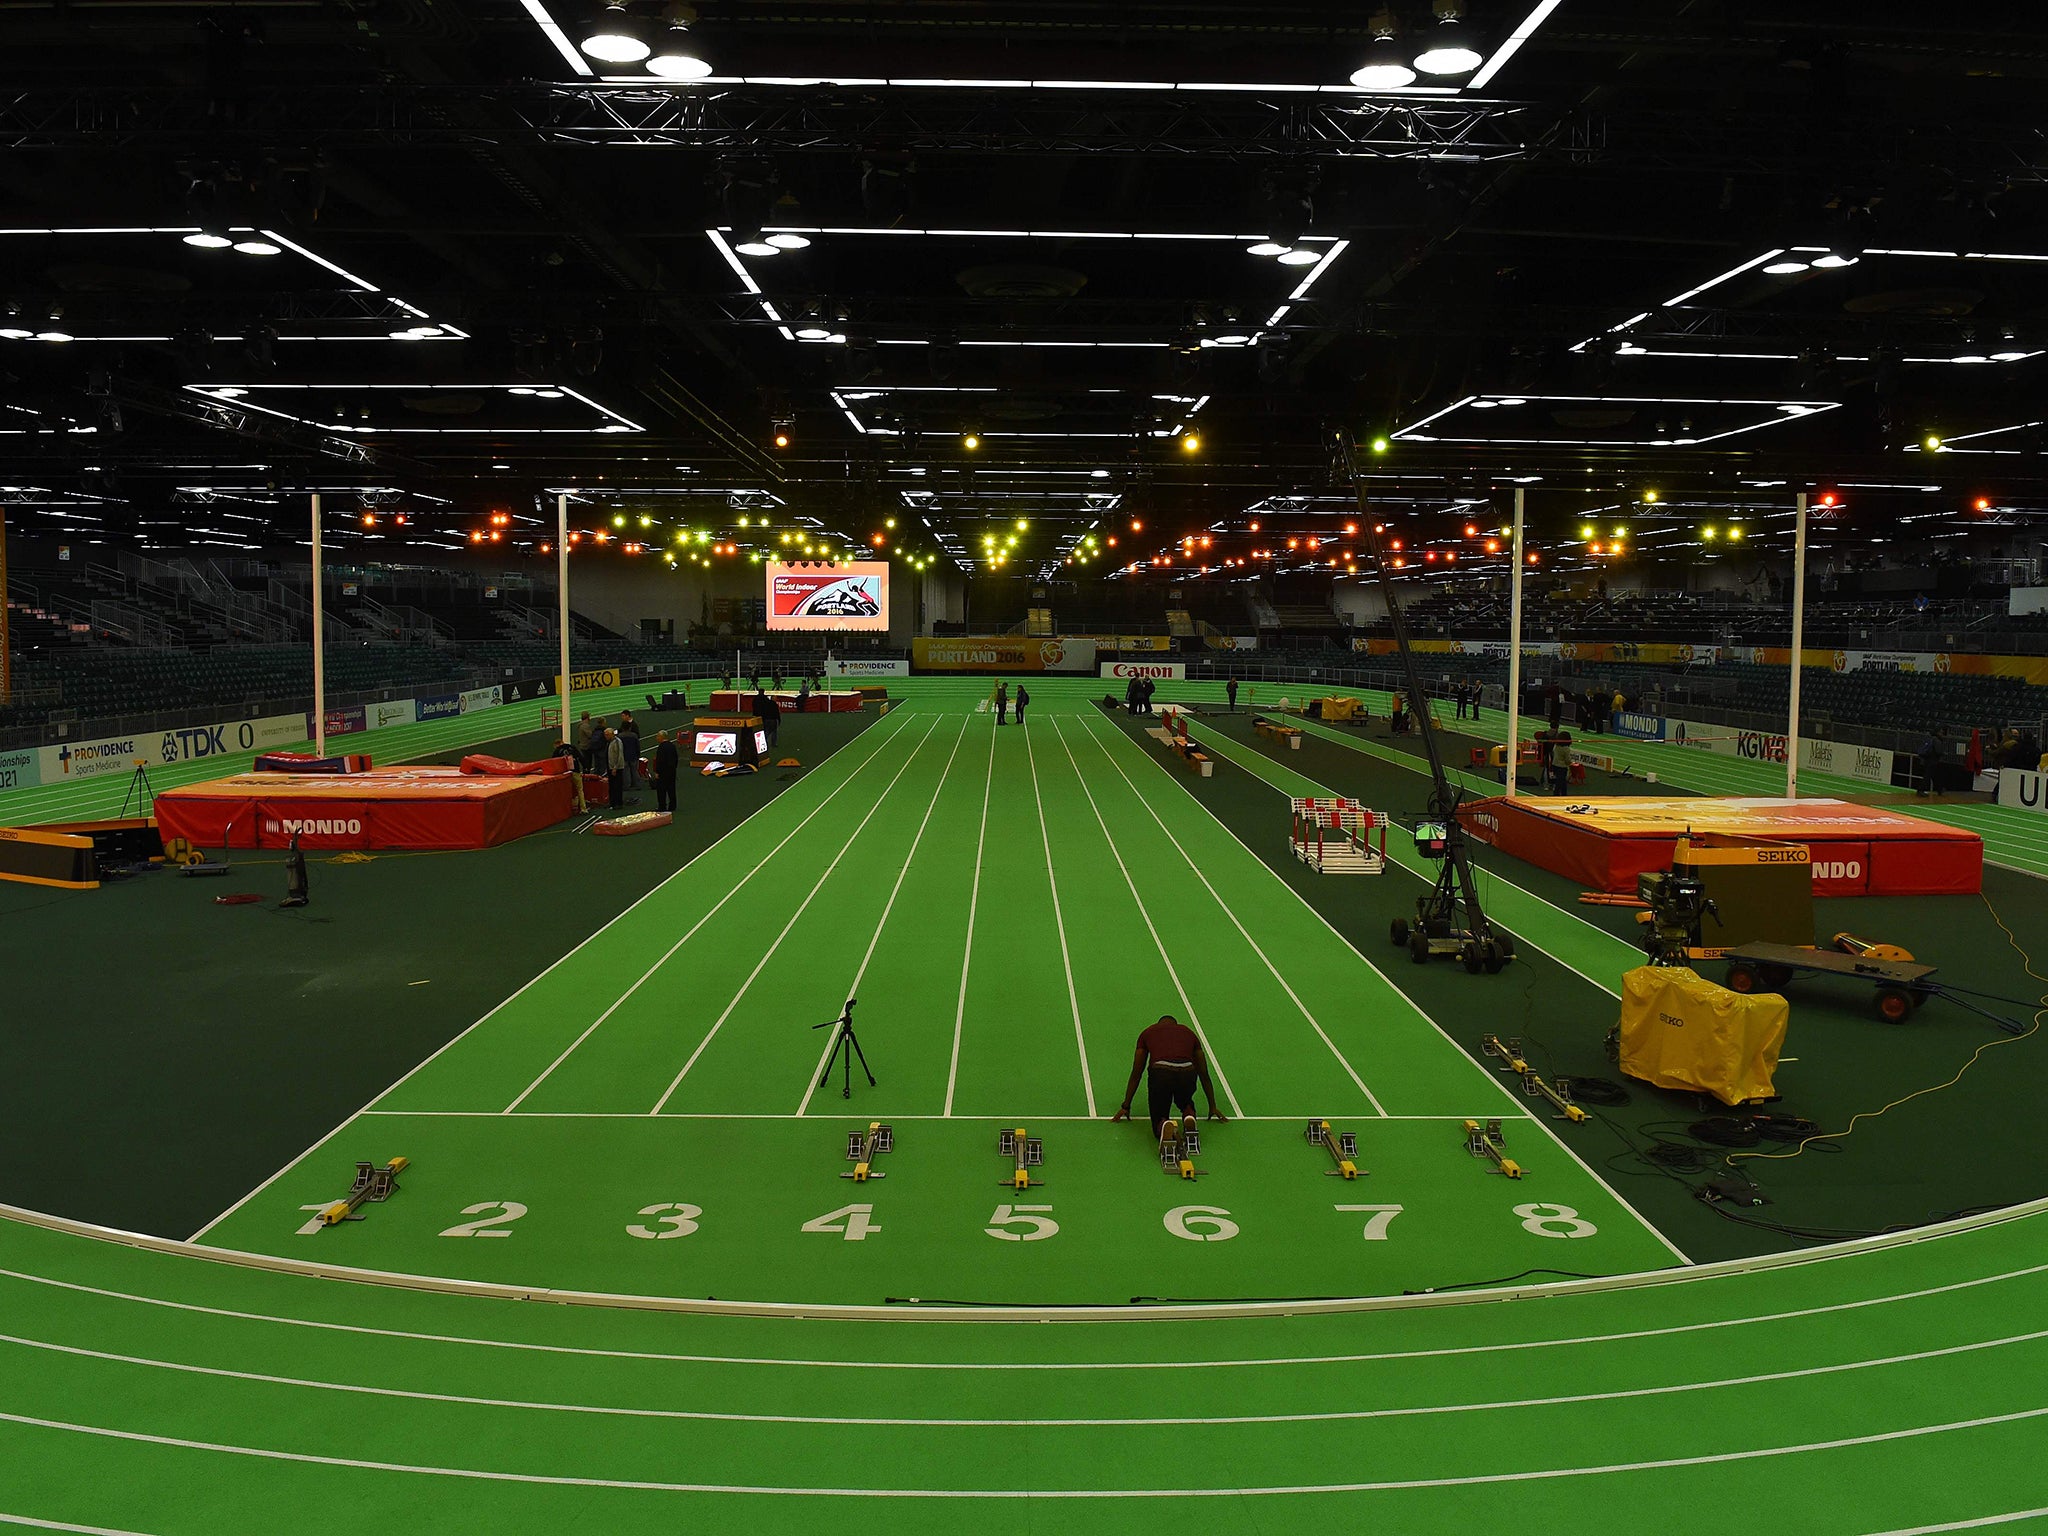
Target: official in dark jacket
(666,761)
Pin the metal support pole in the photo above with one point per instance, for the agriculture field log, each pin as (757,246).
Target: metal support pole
(1798,646)
(319,643)
(562,599)
(1515,649)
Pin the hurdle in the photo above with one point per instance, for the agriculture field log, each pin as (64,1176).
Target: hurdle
(863,1147)
(1490,1142)
(372,1184)
(1559,1094)
(1026,1152)
(1178,1149)
(1334,836)
(1342,1147)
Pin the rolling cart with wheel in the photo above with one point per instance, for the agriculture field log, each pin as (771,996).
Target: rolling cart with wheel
(1901,986)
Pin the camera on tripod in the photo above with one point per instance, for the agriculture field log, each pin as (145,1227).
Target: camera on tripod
(845,1047)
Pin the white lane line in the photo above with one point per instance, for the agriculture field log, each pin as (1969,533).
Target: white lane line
(1966,1525)
(853,987)
(1272,1490)
(755,974)
(495,1010)
(1570,1341)
(1499,1086)
(758,1114)
(1377,1107)
(1188,1003)
(669,953)
(1060,922)
(1190,1416)
(65,1525)
(973,906)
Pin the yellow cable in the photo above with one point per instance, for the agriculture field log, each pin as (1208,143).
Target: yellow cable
(1872,1114)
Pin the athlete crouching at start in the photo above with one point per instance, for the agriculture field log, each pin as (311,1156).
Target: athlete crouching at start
(1171,1059)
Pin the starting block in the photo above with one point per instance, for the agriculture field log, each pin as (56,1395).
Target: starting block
(1179,1145)
(1027,1150)
(372,1183)
(863,1147)
(1559,1094)
(1489,1142)
(1342,1145)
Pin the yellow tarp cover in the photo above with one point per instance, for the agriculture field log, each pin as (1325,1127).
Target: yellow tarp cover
(1679,1030)
(1339,709)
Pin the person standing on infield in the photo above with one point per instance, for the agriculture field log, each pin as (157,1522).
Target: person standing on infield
(1023,698)
(615,769)
(1230,693)
(666,760)
(1176,1061)
(1002,703)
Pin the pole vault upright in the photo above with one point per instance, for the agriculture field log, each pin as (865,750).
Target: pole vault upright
(1515,649)
(319,642)
(562,603)
(1798,645)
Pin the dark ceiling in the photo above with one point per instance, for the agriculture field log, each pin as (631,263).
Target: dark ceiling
(1027,222)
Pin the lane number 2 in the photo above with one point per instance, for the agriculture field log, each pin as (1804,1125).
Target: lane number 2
(488,1226)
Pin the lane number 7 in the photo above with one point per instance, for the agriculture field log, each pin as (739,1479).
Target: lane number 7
(1378,1219)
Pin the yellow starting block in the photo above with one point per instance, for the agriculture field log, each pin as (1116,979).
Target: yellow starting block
(1559,1094)
(372,1184)
(1026,1150)
(1342,1146)
(1179,1146)
(863,1147)
(1489,1142)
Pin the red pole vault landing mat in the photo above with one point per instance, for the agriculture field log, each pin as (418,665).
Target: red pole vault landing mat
(1857,850)
(385,808)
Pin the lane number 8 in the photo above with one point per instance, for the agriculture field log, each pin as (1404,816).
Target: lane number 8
(1554,1221)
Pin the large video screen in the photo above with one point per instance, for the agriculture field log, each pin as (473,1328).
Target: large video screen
(814,595)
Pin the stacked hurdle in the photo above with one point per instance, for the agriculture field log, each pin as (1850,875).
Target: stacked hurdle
(1026,1153)
(372,1184)
(1559,1094)
(1335,837)
(863,1147)
(1341,1145)
(1490,1142)
(1178,1149)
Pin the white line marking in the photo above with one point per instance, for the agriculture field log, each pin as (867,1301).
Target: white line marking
(762,965)
(1277,1490)
(669,953)
(853,987)
(1967,1525)
(457,1039)
(973,906)
(1493,1078)
(1060,923)
(1377,1107)
(880,1421)
(1575,1341)
(1194,1019)
(65,1525)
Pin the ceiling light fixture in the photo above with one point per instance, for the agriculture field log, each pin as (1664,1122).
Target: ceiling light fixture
(208,240)
(677,58)
(253,247)
(755,245)
(1786,267)
(1447,48)
(1299,258)
(1385,68)
(788,242)
(1835,259)
(615,39)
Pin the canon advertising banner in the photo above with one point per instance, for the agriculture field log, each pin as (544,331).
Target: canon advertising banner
(820,595)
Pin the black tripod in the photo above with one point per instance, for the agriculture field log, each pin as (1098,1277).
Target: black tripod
(140,790)
(845,1046)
